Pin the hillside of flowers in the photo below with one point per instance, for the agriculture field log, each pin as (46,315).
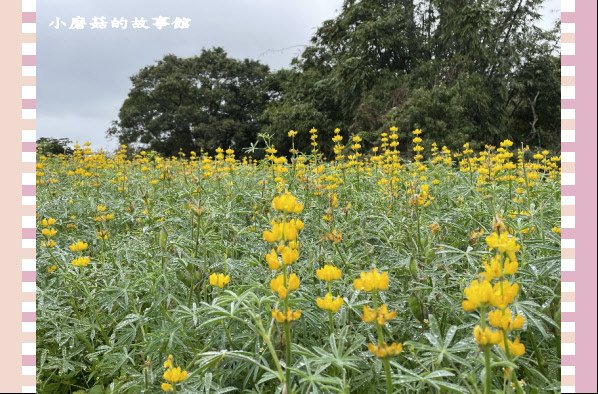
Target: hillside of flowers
(412,269)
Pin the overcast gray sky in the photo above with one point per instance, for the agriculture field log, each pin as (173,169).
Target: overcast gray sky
(83,75)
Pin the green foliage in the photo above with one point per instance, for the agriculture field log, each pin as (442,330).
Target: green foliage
(53,146)
(459,70)
(204,101)
(108,327)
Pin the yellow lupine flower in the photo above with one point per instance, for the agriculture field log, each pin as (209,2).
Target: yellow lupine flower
(52,268)
(272,260)
(166,387)
(504,243)
(497,268)
(175,375)
(371,281)
(277,285)
(103,234)
(516,348)
(486,336)
(504,293)
(289,255)
(219,280)
(47,222)
(49,232)
(287,203)
(169,362)
(379,315)
(280,231)
(504,320)
(478,293)
(290,316)
(78,246)
(49,243)
(385,350)
(329,303)
(328,273)
(81,261)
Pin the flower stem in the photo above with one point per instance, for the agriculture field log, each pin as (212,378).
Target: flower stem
(287,339)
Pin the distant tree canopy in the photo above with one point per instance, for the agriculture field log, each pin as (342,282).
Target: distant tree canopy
(462,71)
(55,146)
(205,101)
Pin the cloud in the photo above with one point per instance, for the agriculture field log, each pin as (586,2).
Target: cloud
(83,76)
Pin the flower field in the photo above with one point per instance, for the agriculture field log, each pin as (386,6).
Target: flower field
(366,273)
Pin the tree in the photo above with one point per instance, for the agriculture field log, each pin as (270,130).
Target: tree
(454,68)
(54,146)
(204,101)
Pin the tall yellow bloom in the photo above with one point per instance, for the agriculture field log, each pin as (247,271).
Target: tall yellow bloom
(384,350)
(329,303)
(477,294)
(277,285)
(81,261)
(486,336)
(290,315)
(78,246)
(516,348)
(328,273)
(287,203)
(371,281)
(379,315)
(272,260)
(219,280)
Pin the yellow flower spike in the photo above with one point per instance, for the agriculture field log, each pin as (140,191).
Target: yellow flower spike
(103,234)
(384,350)
(287,203)
(169,362)
(371,281)
(81,261)
(329,303)
(49,232)
(380,315)
(270,236)
(516,348)
(289,231)
(47,222)
(175,375)
(477,294)
(290,316)
(52,268)
(501,319)
(493,269)
(293,282)
(272,260)
(49,243)
(219,280)
(518,322)
(486,337)
(503,294)
(510,266)
(329,273)
(78,246)
(504,243)
(289,255)
(298,224)
(166,387)
(277,285)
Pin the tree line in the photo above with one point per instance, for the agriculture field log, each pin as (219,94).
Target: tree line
(462,71)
